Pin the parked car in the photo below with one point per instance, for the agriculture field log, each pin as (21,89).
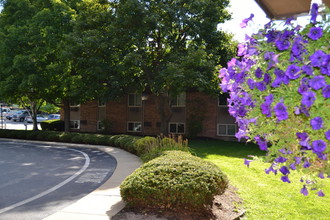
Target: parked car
(40,118)
(20,115)
(9,116)
(54,116)
(5,112)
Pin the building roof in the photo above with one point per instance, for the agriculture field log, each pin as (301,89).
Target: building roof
(281,9)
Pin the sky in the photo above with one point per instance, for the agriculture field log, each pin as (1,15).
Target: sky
(241,9)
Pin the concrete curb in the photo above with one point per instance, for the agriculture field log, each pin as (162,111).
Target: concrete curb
(104,202)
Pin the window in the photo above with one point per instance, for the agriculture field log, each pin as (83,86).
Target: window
(101,103)
(223,100)
(75,124)
(134,126)
(100,126)
(179,100)
(227,129)
(176,128)
(134,100)
(74,104)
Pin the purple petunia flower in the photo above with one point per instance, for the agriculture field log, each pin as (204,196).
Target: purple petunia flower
(271,169)
(284,170)
(326,91)
(314,12)
(316,123)
(307,69)
(261,86)
(285,179)
(321,175)
(246,21)
(250,82)
(315,33)
(270,98)
(282,44)
(293,166)
(320,193)
(304,191)
(327,135)
(308,98)
(288,20)
(242,49)
(267,78)
(319,146)
(281,111)
(293,71)
(259,73)
(297,48)
(318,82)
(262,143)
(306,164)
(280,159)
(317,58)
(302,136)
(298,160)
(247,162)
(266,109)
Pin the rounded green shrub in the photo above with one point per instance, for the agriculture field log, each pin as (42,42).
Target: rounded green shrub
(144,145)
(176,180)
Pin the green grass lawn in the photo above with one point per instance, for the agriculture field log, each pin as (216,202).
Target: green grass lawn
(265,196)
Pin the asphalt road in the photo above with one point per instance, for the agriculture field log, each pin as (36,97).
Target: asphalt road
(37,180)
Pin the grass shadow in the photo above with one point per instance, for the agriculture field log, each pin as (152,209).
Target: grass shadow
(205,147)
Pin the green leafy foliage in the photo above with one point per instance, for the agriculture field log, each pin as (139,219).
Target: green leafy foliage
(149,148)
(175,181)
(52,125)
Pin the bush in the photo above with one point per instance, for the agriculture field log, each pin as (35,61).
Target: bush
(143,145)
(175,181)
(52,125)
(149,148)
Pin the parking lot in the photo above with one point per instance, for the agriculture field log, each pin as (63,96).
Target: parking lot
(8,124)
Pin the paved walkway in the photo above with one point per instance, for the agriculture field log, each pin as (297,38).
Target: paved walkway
(104,202)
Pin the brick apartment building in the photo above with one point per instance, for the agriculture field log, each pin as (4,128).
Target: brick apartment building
(136,114)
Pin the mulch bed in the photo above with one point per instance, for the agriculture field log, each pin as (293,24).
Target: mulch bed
(227,206)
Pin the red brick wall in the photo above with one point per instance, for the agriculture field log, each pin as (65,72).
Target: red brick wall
(206,107)
(116,113)
(150,116)
(89,116)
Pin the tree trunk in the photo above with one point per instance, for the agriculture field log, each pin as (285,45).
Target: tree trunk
(66,108)
(165,112)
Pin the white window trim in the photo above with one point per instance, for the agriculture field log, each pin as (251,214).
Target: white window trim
(176,123)
(98,126)
(74,105)
(228,135)
(101,103)
(134,124)
(135,100)
(75,121)
(177,98)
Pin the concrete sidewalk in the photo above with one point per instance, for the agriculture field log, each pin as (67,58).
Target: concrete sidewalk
(104,202)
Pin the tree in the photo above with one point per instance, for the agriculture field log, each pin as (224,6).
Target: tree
(171,45)
(29,36)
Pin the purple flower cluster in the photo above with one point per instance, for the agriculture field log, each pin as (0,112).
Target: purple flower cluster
(276,78)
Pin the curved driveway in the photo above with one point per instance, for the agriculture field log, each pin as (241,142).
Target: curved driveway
(39,179)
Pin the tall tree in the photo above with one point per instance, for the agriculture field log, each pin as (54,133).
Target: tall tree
(89,57)
(170,45)
(30,31)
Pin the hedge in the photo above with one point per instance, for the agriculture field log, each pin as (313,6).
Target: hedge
(176,180)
